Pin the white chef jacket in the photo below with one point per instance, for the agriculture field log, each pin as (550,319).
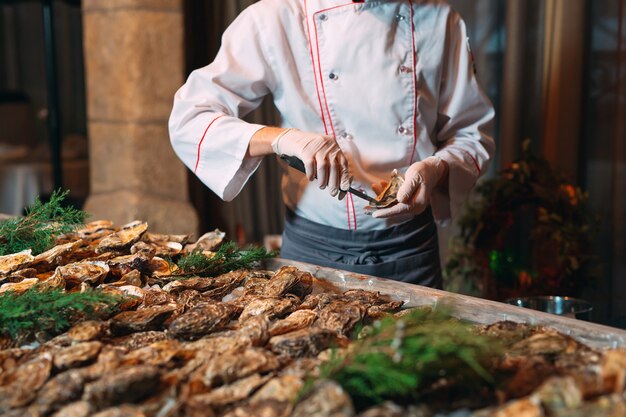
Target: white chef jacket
(391,80)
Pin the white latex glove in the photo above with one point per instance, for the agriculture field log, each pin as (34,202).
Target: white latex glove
(414,195)
(322,157)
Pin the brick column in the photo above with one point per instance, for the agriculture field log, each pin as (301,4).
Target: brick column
(134,64)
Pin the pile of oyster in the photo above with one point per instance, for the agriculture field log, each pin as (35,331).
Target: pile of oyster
(243,343)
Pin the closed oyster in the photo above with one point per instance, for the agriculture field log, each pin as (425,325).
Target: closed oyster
(289,279)
(326,399)
(281,388)
(140,320)
(305,342)
(228,394)
(87,331)
(125,385)
(92,273)
(75,409)
(341,316)
(131,278)
(76,355)
(255,330)
(20,386)
(237,364)
(19,287)
(11,263)
(299,319)
(270,306)
(159,267)
(125,238)
(265,408)
(389,196)
(201,320)
(158,353)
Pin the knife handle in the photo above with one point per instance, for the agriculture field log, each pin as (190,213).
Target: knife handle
(294,162)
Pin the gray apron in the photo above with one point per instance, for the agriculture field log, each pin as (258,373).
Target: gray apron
(407,252)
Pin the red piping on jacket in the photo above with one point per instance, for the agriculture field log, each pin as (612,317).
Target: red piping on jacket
(202,140)
(353,210)
(317,89)
(321,75)
(414,83)
(475,162)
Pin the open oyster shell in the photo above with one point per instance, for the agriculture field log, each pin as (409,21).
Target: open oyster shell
(389,196)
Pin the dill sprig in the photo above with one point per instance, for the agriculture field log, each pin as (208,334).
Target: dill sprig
(228,257)
(402,356)
(50,311)
(39,227)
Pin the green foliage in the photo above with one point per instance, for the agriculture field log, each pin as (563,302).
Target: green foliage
(227,258)
(402,356)
(50,311)
(526,232)
(39,227)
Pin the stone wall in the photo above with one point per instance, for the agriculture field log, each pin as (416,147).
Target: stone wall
(134,64)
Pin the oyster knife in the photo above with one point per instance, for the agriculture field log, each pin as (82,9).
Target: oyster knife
(296,163)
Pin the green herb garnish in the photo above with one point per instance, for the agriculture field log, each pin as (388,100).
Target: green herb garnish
(228,257)
(402,356)
(39,227)
(51,311)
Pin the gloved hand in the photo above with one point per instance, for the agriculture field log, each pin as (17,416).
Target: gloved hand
(414,195)
(322,157)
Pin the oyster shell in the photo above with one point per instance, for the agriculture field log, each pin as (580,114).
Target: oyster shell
(207,242)
(92,273)
(157,354)
(20,386)
(58,255)
(75,409)
(280,388)
(140,320)
(270,306)
(305,342)
(388,197)
(341,316)
(126,237)
(125,385)
(163,249)
(255,330)
(122,265)
(325,400)
(228,394)
(76,355)
(265,408)
(289,279)
(16,261)
(159,238)
(87,331)
(299,319)
(19,287)
(201,320)
(236,364)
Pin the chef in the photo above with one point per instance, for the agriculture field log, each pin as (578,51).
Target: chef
(363,88)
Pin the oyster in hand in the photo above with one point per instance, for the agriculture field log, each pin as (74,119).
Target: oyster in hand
(389,196)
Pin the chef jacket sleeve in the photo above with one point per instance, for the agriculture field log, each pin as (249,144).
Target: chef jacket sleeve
(464,126)
(206,130)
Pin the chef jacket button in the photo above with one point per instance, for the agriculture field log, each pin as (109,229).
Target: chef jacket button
(405,69)
(403,130)
(333,76)
(346,136)
(323,17)
(400,18)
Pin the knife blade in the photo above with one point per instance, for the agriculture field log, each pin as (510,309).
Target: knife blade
(296,163)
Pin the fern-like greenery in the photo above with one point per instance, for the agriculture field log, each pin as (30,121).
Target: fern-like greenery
(39,227)
(402,356)
(50,311)
(228,257)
